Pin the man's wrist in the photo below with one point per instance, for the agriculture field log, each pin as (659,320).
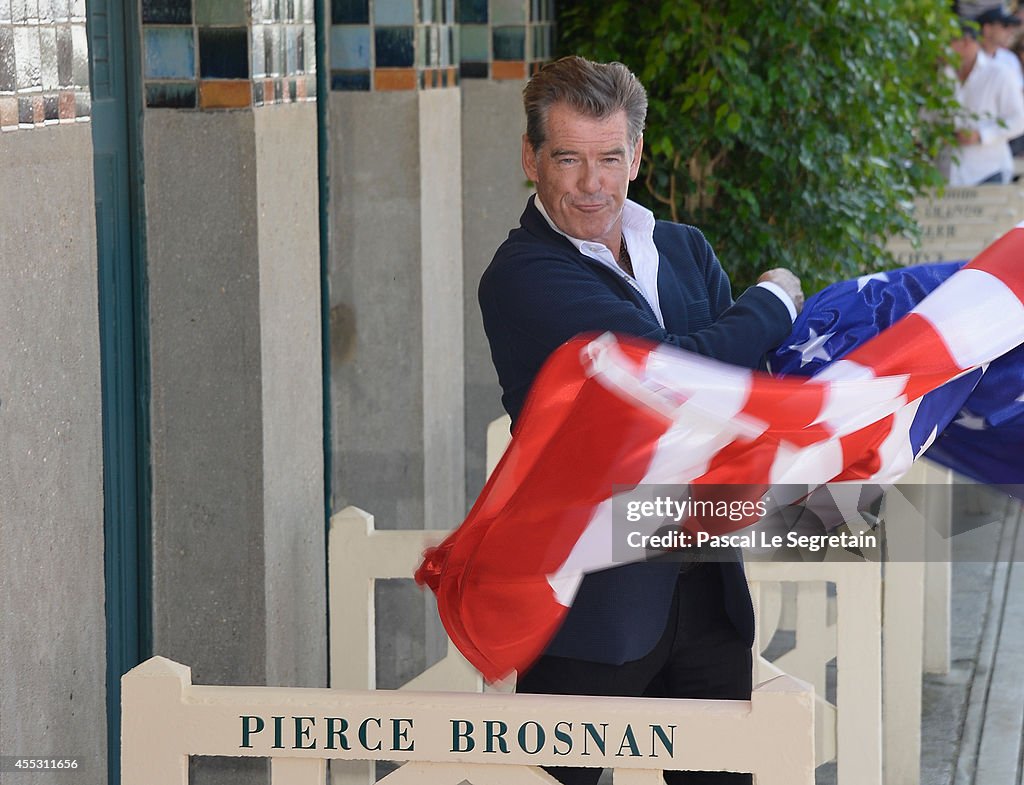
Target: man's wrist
(779,292)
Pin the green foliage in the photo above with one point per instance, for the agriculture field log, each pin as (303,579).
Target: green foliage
(794,133)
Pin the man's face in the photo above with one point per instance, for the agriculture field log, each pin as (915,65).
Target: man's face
(997,34)
(582,172)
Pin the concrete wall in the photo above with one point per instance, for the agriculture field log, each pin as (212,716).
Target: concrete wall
(292,403)
(396,339)
(237,433)
(494,193)
(207,436)
(52,630)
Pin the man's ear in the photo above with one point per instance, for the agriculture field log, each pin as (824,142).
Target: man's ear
(634,165)
(529,160)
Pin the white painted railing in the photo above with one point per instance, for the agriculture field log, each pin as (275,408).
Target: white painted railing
(445,738)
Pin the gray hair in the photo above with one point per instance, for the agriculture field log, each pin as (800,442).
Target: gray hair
(596,90)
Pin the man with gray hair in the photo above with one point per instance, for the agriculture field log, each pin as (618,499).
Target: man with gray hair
(587,259)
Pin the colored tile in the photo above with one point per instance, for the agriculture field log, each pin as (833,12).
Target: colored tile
(257,93)
(170,53)
(433,58)
(448,49)
(224,53)
(259,58)
(473,70)
(222,12)
(350,12)
(8,74)
(8,112)
(394,12)
(394,79)
(293,91)
(271,46)
(509,43)
(224,95)
(473,11)
(50,112)
(394,48)
(291,38)
(66,105)
(502,69)
(79,56)
(350,48)
(48,57)
(171,95)
(508,12)
(167,12)
(26,115)
(426,11)
(309,60)
(289,11)
(83,104)
(26,57)
(301,93)
(350,80)
(64,55)
(300,50)
(449,12)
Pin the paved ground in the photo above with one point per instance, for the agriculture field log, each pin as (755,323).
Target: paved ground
(973,718)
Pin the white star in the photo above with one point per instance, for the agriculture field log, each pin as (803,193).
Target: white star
(970,421)
(864,279)
(813,348)
(927,442)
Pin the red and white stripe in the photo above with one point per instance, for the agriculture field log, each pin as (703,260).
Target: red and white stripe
(619,411)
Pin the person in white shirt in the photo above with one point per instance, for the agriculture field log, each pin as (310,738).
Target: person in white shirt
(993,114)
(997,29)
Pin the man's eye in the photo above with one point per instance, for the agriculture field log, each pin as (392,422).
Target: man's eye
(566,160)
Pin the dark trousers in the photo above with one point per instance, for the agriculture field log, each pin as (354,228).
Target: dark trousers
(700,655)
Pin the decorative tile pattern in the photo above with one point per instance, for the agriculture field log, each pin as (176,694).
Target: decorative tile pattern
(505,39)
(44,63)
(393,44)
(227,54)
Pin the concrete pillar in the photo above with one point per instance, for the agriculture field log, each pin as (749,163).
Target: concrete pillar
(396,334)
(237,436)
(52,625)
(494,193)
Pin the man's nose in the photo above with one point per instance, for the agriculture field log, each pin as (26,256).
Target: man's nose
(590,180)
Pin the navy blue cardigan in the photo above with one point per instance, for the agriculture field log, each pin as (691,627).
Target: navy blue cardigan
(538,292)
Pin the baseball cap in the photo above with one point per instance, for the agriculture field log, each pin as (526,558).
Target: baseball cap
(997,15)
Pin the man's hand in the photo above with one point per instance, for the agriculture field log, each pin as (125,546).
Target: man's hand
(786,281)
(968,137)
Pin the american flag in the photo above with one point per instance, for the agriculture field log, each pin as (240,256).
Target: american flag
(876,372)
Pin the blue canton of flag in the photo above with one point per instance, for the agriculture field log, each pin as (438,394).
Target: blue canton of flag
(973,424)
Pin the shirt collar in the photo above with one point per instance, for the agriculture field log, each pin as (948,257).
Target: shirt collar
(635,217)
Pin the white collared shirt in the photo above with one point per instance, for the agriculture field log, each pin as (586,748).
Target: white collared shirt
(638,229)
(994,107)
